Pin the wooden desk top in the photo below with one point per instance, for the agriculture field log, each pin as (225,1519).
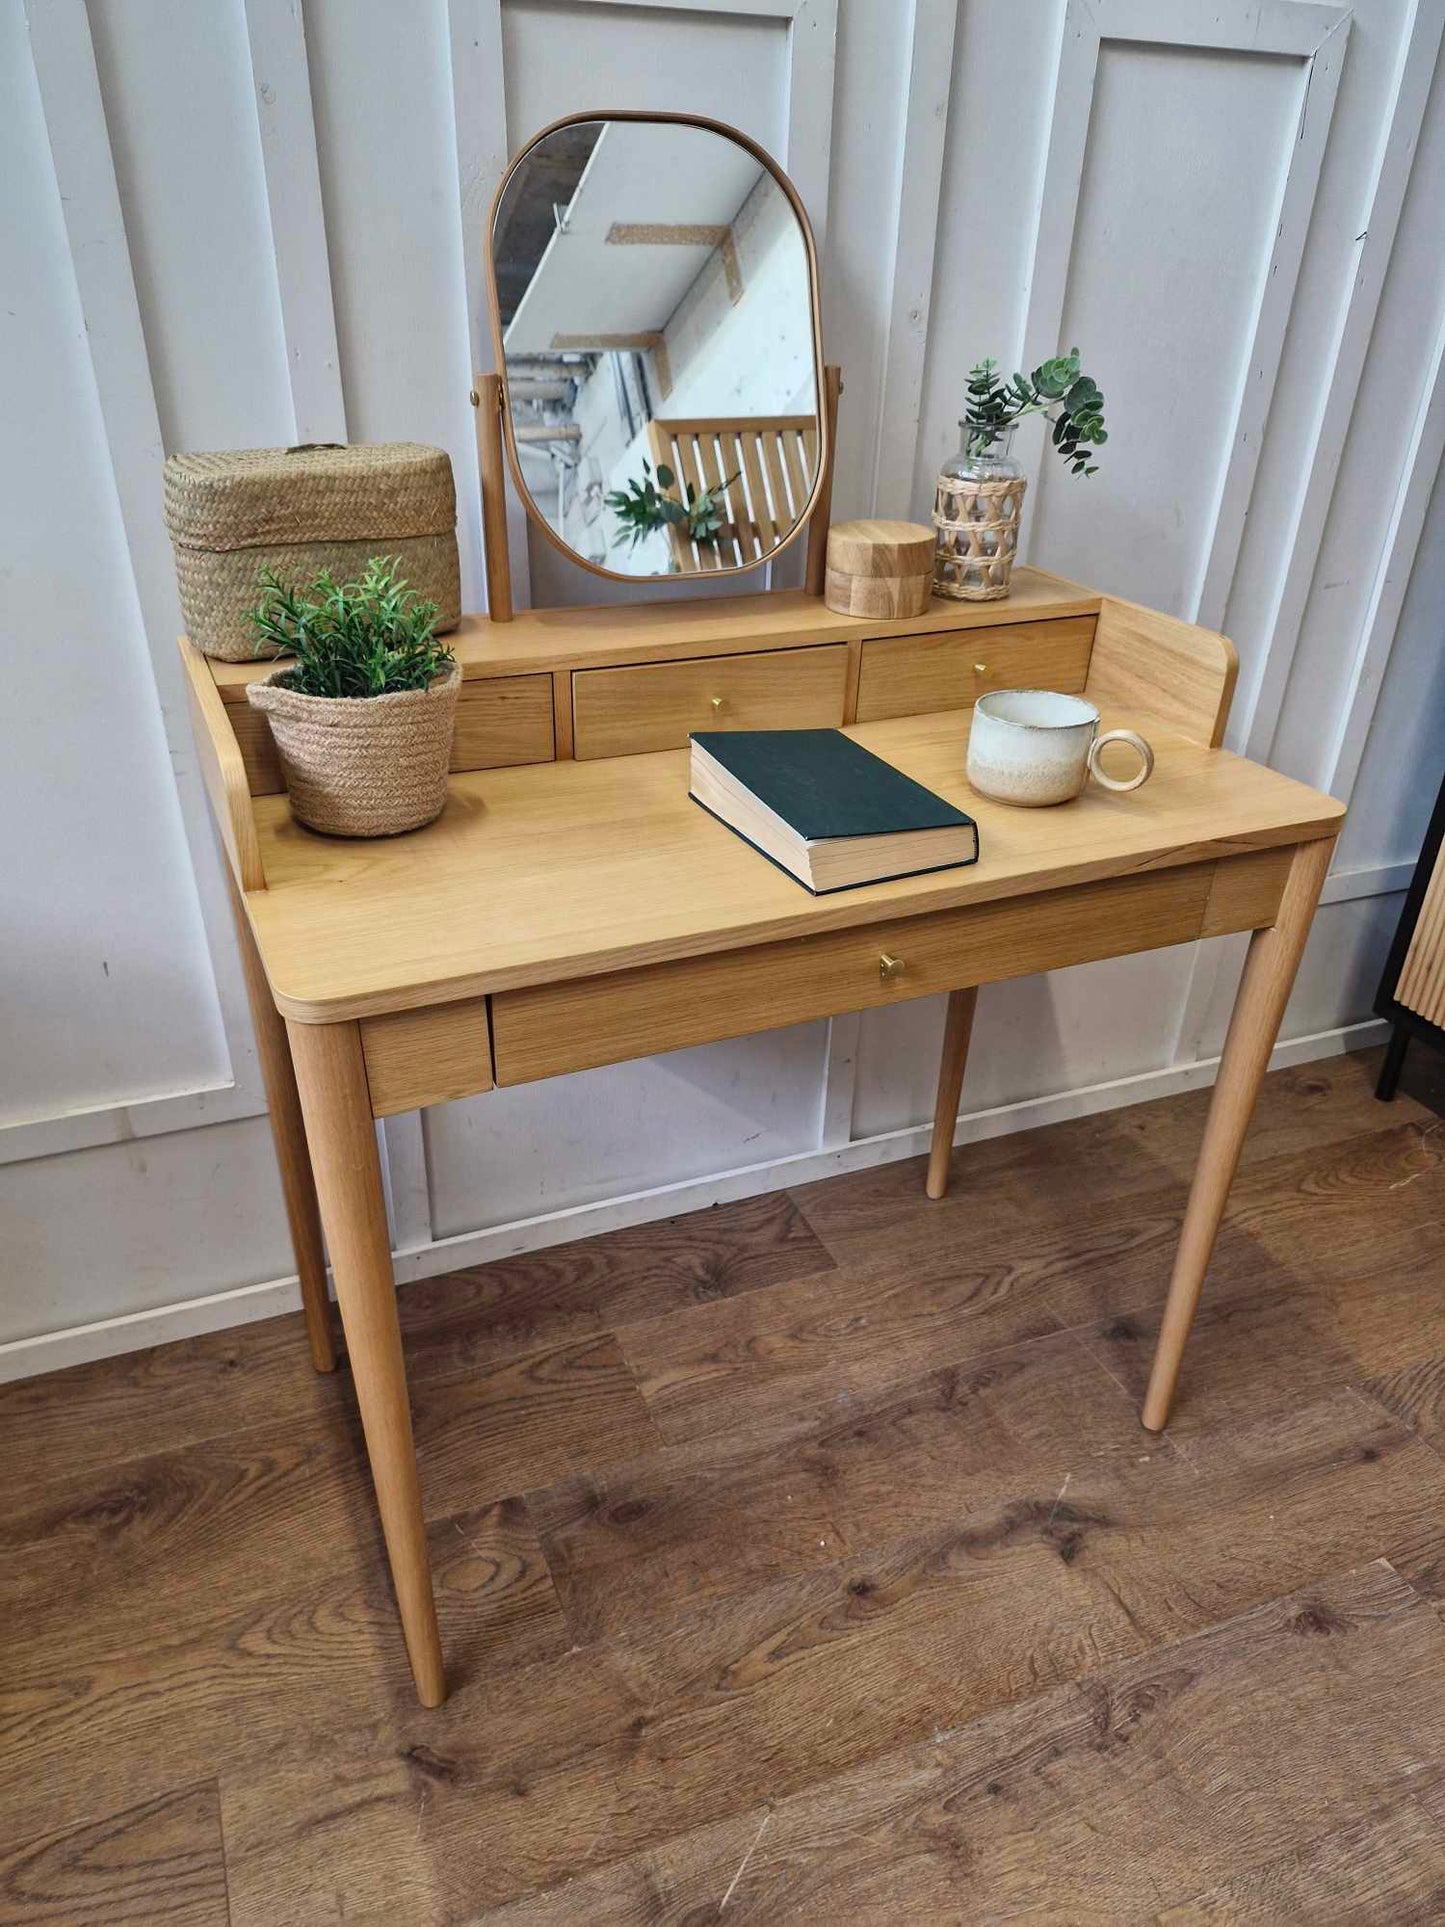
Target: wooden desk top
(556,871)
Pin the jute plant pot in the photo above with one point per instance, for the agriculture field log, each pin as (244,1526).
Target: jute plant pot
(362,765)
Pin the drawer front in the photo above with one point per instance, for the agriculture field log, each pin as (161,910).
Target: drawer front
(417,1057)
(656,705)
(910,675)
(637,1013)
(500,720)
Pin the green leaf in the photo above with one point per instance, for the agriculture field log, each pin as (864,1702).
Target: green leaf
(664,474)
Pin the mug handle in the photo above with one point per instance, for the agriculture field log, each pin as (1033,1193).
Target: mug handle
(1135,741)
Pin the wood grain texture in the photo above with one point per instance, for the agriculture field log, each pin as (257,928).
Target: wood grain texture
(222,769)
(871,1596)
(1083,1803)
(158,1864)
(1259,1004)
(354,929)
(552,1028)
(417,1057)
(1162,669)
(957,1030)
(490,403)
(501,720)
(908,675)
(621,712)
(590,637)
(288,1134)
(331,1077)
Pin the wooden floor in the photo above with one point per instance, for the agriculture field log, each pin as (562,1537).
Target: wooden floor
(799,1560)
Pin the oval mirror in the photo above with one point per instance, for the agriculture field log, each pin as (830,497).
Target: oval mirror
(655,307)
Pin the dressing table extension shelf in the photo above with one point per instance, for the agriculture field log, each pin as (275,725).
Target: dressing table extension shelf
(572,907)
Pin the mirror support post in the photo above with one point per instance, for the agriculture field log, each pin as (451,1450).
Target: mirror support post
(488,400)
(822,511)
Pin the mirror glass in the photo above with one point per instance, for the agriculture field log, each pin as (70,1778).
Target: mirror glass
(653,294)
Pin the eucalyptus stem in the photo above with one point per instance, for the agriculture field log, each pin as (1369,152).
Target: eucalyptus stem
(1070,400)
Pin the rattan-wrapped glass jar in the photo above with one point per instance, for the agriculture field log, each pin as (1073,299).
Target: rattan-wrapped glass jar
(976,508)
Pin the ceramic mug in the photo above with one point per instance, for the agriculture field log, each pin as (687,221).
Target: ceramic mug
(1035,746)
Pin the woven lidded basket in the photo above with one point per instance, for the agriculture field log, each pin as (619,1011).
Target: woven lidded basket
(362,765)
(299,510)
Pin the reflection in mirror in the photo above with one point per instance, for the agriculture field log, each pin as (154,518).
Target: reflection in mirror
(655,303)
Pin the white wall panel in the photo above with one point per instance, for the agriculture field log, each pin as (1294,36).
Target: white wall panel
(1411,313)
(1031,1037)
(106,994)
(188,165)
(623,1128)
(381,84)
(141,1224)
(1183,175)
(302,196)
(1404,757)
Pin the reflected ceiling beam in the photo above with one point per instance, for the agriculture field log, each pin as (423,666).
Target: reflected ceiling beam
(683,234)
(646,342)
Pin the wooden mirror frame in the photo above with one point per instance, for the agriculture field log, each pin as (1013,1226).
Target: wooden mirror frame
(826,383)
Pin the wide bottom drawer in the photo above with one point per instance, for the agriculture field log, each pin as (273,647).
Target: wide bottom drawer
(542,1031)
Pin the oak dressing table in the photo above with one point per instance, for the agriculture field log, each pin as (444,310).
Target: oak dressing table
(571,907)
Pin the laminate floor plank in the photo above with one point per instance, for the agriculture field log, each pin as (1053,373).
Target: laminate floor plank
(1115,1799)
(805,1554)
(91,1711)
(1050,1173)
(756,1694)
(475,1316)
(157,1864)
(1387,1870)
(653,1539)
(1321,1216)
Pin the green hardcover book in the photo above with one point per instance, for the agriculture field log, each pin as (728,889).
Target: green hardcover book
(825,809)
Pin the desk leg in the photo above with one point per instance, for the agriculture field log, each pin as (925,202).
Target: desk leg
(331,1074)
(298,1186)
(1264,989)
(957,1030)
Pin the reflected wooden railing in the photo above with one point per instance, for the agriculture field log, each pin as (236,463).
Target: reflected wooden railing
(763,466)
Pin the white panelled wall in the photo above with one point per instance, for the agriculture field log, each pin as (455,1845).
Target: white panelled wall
(231,222)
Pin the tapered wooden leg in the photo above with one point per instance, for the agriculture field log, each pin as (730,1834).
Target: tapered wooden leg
(1264,989)
(298,1186)
(331,1076)
(957,1029)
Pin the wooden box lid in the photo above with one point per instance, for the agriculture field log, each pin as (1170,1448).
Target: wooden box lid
(875,548)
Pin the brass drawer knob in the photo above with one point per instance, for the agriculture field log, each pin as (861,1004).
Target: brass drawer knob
(717,702)
(890,968)
(980,669)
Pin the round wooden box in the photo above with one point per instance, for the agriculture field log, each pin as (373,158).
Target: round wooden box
(879,568)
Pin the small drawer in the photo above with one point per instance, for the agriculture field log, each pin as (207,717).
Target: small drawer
(910,675)
(661,1007)
(418,1057)
(657,705)
(500,720)
(503,720)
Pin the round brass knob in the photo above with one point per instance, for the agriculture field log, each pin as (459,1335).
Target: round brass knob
(980,669)
(717,702)
(889,968)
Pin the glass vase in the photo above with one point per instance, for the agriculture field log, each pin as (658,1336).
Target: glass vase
(976,508)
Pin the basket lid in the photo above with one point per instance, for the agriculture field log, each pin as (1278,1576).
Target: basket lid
(240,498)
(873,548)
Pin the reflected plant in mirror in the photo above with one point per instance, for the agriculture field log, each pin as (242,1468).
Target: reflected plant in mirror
(645,506)
(655,305)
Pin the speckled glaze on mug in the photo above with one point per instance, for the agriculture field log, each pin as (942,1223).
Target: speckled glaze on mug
(1033,747)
